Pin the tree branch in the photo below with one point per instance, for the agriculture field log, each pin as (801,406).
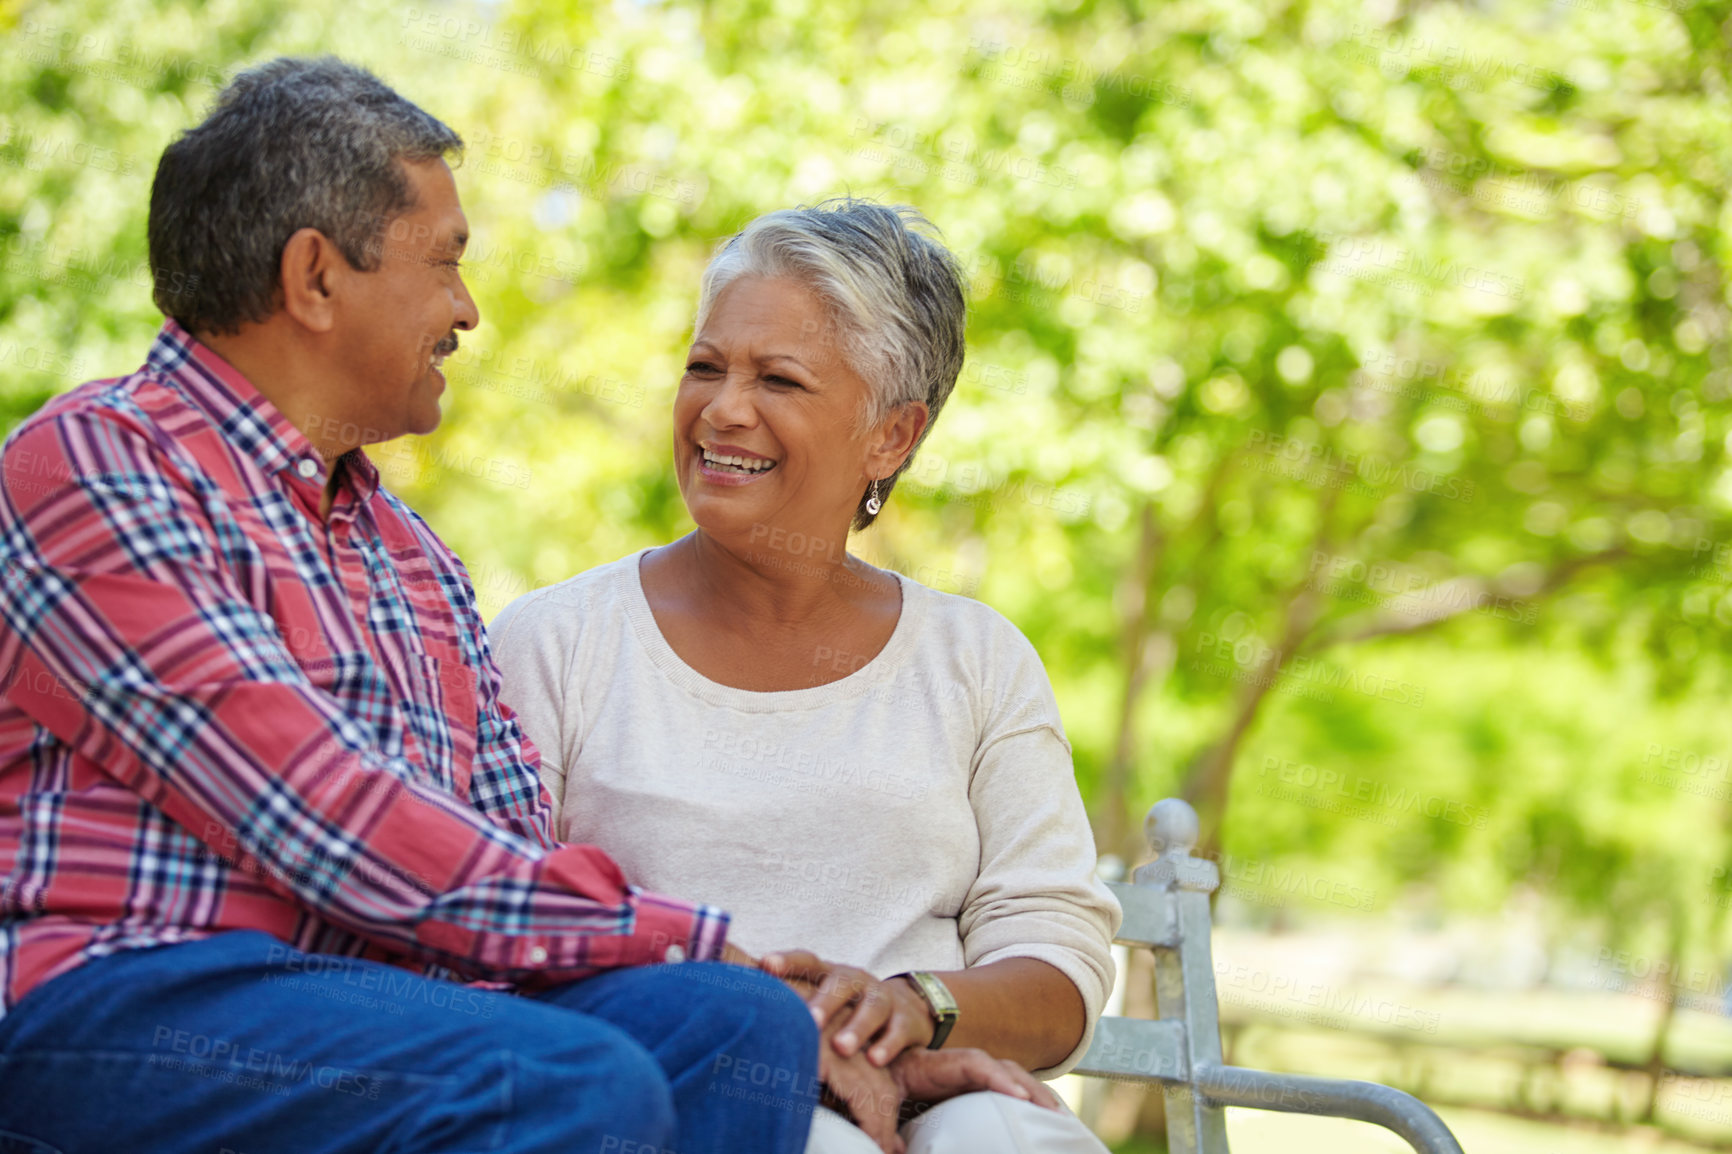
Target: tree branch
(1462,596)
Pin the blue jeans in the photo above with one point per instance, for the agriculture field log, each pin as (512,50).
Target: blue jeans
(241,1045)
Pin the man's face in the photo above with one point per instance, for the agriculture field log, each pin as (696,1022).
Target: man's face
(394,332)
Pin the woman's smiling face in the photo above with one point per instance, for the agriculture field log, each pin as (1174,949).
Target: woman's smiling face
(765,422)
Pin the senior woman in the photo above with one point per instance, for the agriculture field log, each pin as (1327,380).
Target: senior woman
(841,757)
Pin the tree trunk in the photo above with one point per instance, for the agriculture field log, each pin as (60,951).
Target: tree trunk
(1662,1035)
(1208,782)
(1115,829)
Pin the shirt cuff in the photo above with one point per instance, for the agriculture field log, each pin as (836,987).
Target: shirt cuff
(677,931)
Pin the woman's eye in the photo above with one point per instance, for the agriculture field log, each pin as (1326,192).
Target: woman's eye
(774,380)
(701,367)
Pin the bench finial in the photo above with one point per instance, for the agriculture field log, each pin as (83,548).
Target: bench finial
(1171,827)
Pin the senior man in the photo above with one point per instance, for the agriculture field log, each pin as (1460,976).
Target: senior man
(261,811)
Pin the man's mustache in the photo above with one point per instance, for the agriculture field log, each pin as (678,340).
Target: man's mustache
(446,347)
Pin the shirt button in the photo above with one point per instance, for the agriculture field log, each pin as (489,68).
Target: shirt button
(537,956)
(675,954)
(307,468)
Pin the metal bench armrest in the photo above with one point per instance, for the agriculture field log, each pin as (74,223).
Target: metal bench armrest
(1167,909)
(1332,1097)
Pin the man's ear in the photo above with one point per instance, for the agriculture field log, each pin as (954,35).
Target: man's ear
(897,437)
(308,277)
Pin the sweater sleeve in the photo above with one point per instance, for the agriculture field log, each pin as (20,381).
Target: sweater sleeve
(1036,895)
(532,645)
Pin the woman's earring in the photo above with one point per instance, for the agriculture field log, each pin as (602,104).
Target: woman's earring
(873,504)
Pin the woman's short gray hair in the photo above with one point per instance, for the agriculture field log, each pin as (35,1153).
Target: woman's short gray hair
(292,144)
(895,296)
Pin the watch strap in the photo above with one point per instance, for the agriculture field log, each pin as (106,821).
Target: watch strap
(939,1000)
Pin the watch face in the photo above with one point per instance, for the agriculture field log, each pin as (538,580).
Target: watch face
(937,995)
(939,1000)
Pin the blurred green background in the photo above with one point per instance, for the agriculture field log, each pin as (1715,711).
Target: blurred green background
(1345,420)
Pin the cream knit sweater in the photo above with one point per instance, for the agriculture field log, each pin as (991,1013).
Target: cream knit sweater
(919,813)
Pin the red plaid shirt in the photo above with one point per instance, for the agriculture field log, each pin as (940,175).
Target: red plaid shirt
(223,712)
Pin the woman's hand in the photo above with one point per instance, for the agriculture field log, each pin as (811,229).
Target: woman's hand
(863,1089)
(870,1095)
(889,1016)
(934,1075)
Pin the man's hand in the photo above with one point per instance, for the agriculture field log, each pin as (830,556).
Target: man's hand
(889,1016)
(869,1093)
(872,1095)
(934,1075)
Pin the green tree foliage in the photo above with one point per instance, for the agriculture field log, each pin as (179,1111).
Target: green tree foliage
(1346,391)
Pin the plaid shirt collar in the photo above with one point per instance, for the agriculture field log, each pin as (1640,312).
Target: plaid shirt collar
(246,418)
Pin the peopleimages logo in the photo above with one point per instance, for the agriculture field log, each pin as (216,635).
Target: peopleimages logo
(1373,794)
(1356,256)
(473,40)
(353,980)
(1317,464)
(1457,62)
(1319,1003)
(255,1068)
(961,160)
(1265,883)
(38,151)
(1252,661)
(35,358)
(1410,592)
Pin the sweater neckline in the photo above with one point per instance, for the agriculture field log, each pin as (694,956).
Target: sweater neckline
(881,668)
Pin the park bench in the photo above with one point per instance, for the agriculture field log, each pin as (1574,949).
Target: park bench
(1167,909)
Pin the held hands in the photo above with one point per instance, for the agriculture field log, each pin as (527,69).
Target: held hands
(872,1054)
(890,1016)
(854,1086)
(874,1098)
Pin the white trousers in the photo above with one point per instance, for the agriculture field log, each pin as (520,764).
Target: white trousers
(979,1123)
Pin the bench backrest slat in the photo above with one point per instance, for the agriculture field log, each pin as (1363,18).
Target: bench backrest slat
(1150,918)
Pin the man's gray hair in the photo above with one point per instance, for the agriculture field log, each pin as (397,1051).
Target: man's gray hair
(895,296)
(291,144)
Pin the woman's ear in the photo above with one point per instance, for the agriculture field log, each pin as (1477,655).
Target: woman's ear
(897,437)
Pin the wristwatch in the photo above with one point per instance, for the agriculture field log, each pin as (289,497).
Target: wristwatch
(938,1000)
